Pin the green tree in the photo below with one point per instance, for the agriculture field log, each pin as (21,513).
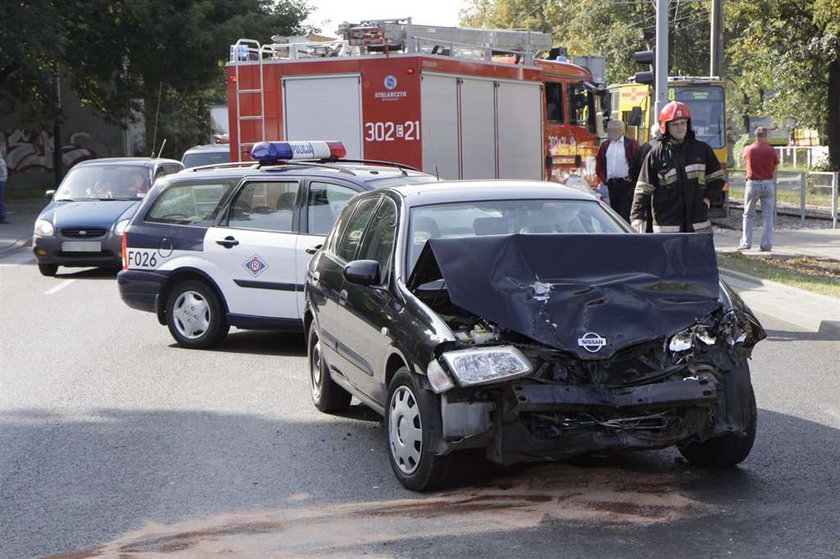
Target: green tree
(127,57)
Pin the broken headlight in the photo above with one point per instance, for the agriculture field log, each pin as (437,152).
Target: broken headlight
(487,364)
(684,340)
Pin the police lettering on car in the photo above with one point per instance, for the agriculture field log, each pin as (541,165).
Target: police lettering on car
(227,245)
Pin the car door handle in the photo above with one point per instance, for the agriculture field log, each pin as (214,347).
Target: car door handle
(342,297)
(312,250)
(228,242)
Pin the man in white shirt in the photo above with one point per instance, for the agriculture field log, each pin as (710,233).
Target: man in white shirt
(614,165)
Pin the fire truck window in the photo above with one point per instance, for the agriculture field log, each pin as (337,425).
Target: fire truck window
(554,101)
(580,111)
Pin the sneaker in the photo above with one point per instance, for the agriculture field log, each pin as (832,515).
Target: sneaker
(765,249)
(743,247)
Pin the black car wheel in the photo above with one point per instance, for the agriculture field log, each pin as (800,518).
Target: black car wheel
(48,270)
(326,394)
(194,315)
(412,420)
(726,450)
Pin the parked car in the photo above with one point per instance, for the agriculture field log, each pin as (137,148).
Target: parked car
(212,248)
(525,319)
(210,154)
(84,221)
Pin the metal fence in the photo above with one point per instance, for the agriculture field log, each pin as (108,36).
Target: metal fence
(795,156)
(815,194)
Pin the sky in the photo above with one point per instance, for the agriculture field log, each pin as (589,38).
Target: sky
(328,14)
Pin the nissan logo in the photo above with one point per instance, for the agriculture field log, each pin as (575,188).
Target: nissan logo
(592,342)
(82,233)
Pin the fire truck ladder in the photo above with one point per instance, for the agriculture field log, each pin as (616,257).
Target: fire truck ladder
(402,35)
(248,51)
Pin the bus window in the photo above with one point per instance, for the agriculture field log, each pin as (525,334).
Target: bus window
(581,107)
(707,111)
(554,101)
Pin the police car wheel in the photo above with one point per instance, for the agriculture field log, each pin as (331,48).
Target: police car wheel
(412,421)
(326,394)
(48,270)
(194,315)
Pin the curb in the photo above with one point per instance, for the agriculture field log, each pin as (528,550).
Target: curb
(788,303)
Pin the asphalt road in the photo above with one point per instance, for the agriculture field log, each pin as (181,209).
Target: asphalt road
(113,440)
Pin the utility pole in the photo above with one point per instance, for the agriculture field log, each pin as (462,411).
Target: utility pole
(716,40)
(58,166)
(661,67)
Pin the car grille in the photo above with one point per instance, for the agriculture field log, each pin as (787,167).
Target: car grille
(83,233)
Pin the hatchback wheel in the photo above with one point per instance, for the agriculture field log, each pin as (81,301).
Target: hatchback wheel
(726,450)
(327,396)
(412,420)
(48,270)
(194,315)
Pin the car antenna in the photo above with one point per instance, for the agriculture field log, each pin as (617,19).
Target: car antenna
(161,148)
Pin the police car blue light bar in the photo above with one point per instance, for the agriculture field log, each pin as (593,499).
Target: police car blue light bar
(265,152)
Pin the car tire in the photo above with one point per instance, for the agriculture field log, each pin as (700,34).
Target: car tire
(727,450)
(412,424)
(48,270)
(327,396)
(194,315)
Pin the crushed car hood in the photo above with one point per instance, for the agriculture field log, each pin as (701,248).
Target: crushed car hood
(590,294)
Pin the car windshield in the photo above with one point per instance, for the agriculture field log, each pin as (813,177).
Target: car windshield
(199,158)
(505,217)
(104,182)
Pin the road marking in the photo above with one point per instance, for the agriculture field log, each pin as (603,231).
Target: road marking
(59,287)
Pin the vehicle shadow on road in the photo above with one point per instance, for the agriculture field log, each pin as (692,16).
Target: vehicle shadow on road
(72,482)
(260,342)
(87,273)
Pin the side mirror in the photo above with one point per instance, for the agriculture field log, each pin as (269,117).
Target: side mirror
(362,272)
(49,194)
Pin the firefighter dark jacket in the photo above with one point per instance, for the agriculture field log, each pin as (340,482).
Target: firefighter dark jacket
(673,180)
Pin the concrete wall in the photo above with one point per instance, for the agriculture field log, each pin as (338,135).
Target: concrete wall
(85,134)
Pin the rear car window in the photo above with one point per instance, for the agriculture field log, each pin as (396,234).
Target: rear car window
(325,203)
(267,206)
(200,158)
(194,203)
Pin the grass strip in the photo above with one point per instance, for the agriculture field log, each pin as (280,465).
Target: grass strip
(812,274)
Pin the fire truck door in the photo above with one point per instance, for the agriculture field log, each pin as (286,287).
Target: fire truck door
(478,129)
(324,108)
(440,125)
(520,130)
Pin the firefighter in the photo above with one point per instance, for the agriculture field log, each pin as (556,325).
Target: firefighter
(678,178)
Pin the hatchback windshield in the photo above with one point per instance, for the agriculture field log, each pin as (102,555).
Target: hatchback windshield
(505,217)
(104,182)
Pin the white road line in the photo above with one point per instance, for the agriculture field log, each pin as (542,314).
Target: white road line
(59,287)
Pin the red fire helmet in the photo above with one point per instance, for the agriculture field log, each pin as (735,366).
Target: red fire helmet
(672,111)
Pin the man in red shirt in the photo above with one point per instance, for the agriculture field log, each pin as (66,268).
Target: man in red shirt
(615,166)
(761,185)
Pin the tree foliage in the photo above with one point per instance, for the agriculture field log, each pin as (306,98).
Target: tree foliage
(124,57)
(782,57)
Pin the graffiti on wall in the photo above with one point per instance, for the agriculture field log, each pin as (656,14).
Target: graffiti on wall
(33,149)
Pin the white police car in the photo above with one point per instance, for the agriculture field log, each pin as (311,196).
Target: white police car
(225,246)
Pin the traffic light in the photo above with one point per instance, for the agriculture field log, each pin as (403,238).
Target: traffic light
(645,57)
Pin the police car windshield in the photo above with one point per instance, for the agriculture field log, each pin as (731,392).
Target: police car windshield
(400,179)
(505,217)
(104,182)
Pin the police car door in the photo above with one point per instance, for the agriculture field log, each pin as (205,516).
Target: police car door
(253,248)
(325,200)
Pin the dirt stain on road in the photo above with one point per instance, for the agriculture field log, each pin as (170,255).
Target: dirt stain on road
(606,497)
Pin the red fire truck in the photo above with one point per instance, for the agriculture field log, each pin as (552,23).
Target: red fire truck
(461,103)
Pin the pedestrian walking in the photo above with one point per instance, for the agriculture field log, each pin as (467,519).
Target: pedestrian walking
(762,161)
(4,176)
(614,165)
(679,178)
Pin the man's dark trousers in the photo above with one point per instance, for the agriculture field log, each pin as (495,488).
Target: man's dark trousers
(621,196)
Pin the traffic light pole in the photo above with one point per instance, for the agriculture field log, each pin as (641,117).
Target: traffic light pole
(661,67)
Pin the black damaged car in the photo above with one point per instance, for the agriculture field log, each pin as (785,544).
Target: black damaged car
(526,319)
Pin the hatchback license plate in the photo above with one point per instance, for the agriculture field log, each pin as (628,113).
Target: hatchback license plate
(81,246)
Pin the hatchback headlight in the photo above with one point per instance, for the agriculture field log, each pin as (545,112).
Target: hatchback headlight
(119,229)
(44,228)
(487,364)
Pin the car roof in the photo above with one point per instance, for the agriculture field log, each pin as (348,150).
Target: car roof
(353,171)
(208,147)
(146,161)
(442,192)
